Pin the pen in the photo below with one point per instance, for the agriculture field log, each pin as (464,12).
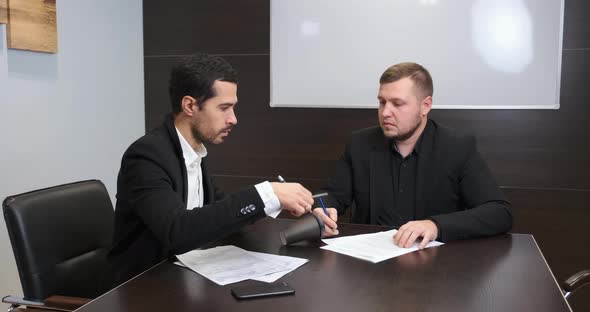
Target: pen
(318,196)
(323,207)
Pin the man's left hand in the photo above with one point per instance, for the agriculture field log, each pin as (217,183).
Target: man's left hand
(409,232)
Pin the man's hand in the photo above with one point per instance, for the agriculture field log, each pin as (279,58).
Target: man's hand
(409,232)
(293,197)
(330,226)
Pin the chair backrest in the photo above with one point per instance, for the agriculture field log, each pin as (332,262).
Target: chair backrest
(575,282)
(60,237)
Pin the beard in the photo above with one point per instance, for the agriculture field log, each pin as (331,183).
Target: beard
(201,137)
(198,135)
(402,136)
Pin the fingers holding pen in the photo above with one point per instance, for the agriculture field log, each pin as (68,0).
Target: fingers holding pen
(293,197)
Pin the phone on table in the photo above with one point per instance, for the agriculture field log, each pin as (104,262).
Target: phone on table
(262,290)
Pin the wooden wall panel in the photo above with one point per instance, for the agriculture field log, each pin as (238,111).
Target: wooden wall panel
(576,25)
(221,27)
(3,12)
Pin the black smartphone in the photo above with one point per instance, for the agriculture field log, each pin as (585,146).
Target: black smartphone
(262,290)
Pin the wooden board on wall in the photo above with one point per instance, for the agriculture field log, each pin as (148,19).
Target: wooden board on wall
(32,25)
(3,12)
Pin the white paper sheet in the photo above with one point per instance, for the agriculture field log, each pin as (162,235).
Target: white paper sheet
(229,264)
(291,263)
(374,247)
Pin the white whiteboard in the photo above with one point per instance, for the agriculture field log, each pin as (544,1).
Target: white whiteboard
(483,54)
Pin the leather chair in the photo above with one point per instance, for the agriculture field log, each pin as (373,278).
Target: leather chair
(575,282)
(60,237)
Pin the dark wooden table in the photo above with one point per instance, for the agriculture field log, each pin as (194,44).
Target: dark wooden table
(503,273)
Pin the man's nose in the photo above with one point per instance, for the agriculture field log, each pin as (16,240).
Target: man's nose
(232,119)
(387,110)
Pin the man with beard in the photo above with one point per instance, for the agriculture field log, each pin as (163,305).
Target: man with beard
(166,201)
(414,174)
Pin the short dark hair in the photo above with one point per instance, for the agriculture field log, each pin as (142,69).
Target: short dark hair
(416,72)
(194,76)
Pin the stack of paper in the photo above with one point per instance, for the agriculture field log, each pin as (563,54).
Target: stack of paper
(374,247)
(230,264)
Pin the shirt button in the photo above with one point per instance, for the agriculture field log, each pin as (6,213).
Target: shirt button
(404,165)
(401,190)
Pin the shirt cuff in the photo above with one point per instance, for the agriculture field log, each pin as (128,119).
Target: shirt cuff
(272,205)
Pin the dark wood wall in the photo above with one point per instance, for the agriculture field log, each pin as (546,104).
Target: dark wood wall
(540,157)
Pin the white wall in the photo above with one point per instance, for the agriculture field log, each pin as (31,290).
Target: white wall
(69,116)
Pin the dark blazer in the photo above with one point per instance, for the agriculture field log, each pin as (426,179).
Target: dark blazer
(151,219)
(454,186)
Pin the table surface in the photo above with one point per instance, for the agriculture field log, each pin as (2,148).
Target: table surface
(502,273)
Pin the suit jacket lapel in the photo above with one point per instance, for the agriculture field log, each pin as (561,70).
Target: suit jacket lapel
(424,174)
(178,151)
(208,196)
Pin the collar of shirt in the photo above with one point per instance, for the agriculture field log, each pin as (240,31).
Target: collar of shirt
(426,135)
(192,157)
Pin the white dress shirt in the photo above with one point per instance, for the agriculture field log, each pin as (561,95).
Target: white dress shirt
(194,174)
(192,160)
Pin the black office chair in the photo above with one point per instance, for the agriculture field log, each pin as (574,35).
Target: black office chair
(575,282)
(60,237)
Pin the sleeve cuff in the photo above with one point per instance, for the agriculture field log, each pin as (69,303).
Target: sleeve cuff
(272,205)
(438,237)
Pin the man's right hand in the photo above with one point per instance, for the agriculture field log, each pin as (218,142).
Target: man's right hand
(294,198)
(330,225)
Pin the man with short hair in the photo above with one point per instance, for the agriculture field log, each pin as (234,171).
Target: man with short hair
(414,174)
(166,201)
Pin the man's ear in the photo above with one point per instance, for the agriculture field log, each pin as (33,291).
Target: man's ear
(426,105)
(189,105)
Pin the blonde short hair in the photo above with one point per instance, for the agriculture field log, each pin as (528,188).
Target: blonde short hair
(416,72)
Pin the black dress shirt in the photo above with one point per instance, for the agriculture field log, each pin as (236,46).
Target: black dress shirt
(403,175)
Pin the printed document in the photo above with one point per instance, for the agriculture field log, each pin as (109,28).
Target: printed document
(374,247)
(230,264)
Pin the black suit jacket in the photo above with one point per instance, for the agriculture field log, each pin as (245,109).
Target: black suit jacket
(454,186)
(151,219)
